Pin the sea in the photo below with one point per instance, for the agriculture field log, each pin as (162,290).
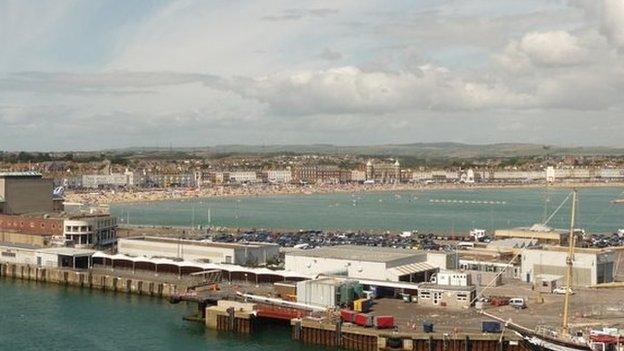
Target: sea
(38,316)
(437,211)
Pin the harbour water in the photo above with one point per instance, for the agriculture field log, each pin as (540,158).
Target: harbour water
(440,211)
(37,316)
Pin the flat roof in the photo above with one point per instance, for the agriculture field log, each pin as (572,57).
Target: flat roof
(19,246)
(434,286)
(358,253)
(67,251)
(251,244)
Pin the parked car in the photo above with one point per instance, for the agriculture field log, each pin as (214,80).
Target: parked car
(517,302)
(562,290)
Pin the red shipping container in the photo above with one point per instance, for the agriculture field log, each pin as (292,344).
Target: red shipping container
(364,320)
(347,316)
(383,322)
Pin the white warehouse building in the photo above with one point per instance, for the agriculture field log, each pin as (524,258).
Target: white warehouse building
(591,266)
(365,262)
(253,254)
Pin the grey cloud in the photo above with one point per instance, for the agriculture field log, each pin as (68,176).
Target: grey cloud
(114,83)
(330,55)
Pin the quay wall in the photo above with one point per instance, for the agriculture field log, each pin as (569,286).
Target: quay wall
(89,279)
(359,339)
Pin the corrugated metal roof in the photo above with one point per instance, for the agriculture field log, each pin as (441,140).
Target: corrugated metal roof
(411,268)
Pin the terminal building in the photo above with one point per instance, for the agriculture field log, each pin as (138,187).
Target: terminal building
(248,254)
(369,263)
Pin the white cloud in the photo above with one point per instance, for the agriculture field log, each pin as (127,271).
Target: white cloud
(554,48)
(348,89)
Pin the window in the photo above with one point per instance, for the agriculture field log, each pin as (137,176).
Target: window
(425,295)
(8,254)
(462,297)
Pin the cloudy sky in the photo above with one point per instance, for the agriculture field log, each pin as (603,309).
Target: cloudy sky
(107,74)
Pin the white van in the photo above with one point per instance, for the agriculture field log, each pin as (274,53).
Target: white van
(517,302)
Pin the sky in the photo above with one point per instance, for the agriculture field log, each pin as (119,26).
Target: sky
(89,75)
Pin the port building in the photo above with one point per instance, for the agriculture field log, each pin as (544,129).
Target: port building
(246,254)
(365,262)
(591,266)
(54,257)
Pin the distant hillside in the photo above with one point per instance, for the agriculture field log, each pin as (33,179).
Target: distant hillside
(415,150)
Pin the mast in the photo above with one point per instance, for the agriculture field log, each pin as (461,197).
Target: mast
(569,263)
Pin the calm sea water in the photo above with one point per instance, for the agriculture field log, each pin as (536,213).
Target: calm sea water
(405,210)
(37,316)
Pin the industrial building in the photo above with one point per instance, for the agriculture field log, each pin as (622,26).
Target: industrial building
(591,266)
(365,262)
(328,292)
(248,254)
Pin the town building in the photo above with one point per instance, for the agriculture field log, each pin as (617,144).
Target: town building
(320,174)
(248,254)
(243,177)
(591,266)
(383,172)
(113,180)
(279,176)
(367,263)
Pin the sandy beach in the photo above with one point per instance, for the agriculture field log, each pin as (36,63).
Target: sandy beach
(105,197)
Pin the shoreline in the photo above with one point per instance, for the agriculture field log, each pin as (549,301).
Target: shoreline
(216,192)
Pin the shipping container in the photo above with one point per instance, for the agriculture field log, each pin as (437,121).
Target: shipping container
(285,289)
(362,305)
(347,316)
(490,327)
(383,322)
(364,320)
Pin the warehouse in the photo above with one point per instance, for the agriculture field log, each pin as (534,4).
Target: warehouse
(591,266)
(543,234)
(249,254)
(365,262)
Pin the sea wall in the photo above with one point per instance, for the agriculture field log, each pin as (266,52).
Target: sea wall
(91,280)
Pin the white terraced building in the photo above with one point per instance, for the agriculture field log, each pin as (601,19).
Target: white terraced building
(369,263)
